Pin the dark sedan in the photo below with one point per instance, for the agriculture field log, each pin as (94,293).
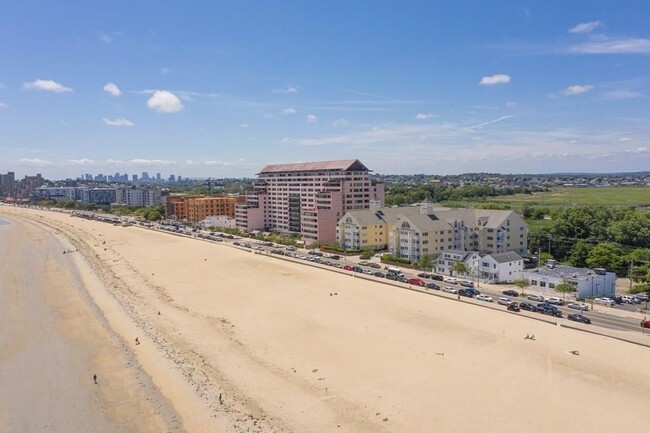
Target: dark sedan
(528,307)
(510,293)
(579,318)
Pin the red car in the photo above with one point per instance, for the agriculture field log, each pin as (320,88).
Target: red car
(416,282)
(645,323)
(347,267)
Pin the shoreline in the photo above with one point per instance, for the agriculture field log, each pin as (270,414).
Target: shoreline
(285,355)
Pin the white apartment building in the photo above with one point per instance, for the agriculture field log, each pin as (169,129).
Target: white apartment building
(307,198)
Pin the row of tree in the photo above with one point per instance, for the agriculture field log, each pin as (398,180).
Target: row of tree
(617,239)
(403,194)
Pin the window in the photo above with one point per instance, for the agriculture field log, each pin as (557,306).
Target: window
(533,282)
(551,285)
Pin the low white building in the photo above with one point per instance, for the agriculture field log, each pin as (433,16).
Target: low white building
(446,259)
(501,267)
(588,282)
(219,221)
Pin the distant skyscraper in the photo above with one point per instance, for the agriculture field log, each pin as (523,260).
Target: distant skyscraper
(172,178)
(145,176)
(135,178)
(158,178)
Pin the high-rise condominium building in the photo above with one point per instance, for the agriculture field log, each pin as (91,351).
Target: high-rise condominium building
(308,198)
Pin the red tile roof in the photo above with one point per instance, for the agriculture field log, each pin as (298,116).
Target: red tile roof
(345,164)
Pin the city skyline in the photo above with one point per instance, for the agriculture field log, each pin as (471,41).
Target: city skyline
(222,90)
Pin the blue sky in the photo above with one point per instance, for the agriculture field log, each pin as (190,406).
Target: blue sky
(220,89)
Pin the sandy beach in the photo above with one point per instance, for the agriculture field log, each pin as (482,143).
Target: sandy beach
(232,341)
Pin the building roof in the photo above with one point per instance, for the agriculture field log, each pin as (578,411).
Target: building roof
(462,253)
(506,257)
(566,272)
(343,165)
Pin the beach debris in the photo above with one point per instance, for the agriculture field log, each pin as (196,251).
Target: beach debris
(574,352)
(529,337)
(159,313)
(385,419)
(440,353)
(315,370)
(220,399)
(137,341)
(95,378)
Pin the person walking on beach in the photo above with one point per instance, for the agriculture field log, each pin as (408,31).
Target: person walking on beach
(137,341)
(95,378)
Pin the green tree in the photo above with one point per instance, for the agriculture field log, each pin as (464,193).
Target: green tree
(521,283)
(608,256)
(579,254)
(366,254)
(425,262)
(460,267)
(565,287)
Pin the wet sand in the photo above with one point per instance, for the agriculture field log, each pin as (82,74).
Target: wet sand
(246,342)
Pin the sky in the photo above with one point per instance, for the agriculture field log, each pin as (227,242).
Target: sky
(223,88)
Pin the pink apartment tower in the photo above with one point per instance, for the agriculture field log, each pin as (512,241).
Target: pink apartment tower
(308,198)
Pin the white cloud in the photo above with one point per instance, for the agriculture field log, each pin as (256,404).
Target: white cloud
(165,70)
(340,122)
(424,116)
(244,125)
(490,80)
(104,38)
(46,85)
(613,46)
(35,162)
(112,89)
(288,89)
(576,90)
(118,122)
(586,27)
(622,94)
(82,162)
(2,104)
(289,111)
(163,101)
(311,118)
(511,104)
(625,139)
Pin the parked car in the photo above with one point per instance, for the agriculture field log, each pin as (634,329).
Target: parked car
(514,307)
(432,286)
(512,293)
(630,299)
(485,298)
(578,306)
(643,296)
(450,280)
(347,268)
(437,277)
(577,317)
(504,301)
(450,290)
(538,298)
(375,265)
(379,274)
(357,269)
(528,307)
(466,283)
(416,282)
(469,292)
(549,309)
(424,275)
(605,301)
(555,301)
(645,323)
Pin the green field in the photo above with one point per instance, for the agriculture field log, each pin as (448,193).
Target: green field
(611,196)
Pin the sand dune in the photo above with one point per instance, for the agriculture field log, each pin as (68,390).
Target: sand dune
(247,342)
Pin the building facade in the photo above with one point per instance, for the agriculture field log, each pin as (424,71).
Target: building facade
(196,208)
(412,232)
(307,199)
(588,282)
(8,185)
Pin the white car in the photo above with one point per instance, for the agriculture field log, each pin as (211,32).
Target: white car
(451,280)
(504,301)
(485,298)
(605,301)
(555,301)
(578,306)
(450,290)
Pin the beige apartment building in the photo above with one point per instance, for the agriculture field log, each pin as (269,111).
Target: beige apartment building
(412,232)
(196,208)
(307,199)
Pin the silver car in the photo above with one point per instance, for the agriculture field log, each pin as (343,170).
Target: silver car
(578,306)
